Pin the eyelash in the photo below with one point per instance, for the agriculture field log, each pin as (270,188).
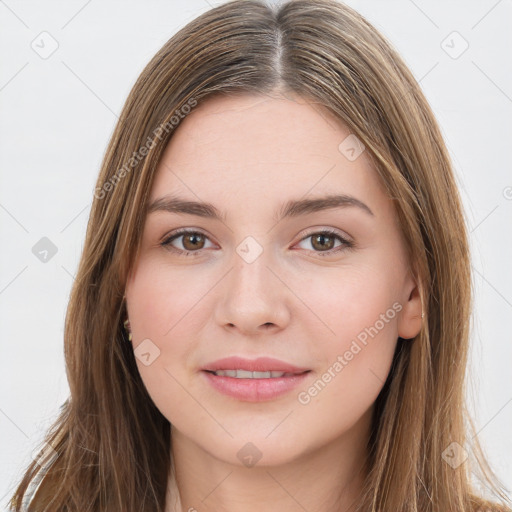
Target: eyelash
(346,244)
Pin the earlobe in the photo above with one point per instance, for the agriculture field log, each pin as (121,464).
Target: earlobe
(411,316)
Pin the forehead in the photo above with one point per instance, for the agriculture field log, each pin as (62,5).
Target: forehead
(247,151)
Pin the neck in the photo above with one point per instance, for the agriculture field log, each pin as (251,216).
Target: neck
(329,478)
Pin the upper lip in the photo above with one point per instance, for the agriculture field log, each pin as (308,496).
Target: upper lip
(261,364)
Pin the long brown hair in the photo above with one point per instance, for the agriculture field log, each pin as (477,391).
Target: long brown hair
(109,449)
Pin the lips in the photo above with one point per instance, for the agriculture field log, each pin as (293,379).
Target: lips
(259,366)
(255,380)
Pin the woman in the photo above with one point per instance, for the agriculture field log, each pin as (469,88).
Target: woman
(272,306)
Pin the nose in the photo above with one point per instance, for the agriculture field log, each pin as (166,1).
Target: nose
(254,298)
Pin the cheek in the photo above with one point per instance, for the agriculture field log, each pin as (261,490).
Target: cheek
(350,302)
(358,312)
(165,311)
(164,300)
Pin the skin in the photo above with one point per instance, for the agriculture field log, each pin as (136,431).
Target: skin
(248,155)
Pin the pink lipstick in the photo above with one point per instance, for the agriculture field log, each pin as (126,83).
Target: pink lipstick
(253,380)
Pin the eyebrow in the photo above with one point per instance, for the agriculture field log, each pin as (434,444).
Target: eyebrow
(292,208)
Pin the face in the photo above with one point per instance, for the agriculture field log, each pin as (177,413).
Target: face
(327,290)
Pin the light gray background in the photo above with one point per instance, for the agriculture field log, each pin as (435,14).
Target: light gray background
(57,115)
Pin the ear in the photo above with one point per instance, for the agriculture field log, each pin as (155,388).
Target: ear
(410,321)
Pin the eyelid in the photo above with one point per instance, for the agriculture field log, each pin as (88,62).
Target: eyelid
(170,237)
(346,242)
(325,229)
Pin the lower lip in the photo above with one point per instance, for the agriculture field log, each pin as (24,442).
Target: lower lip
(255,390)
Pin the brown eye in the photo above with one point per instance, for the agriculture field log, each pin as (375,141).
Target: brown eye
(192,242)
(322,241)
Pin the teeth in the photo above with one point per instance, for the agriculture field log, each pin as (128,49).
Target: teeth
(244,374)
